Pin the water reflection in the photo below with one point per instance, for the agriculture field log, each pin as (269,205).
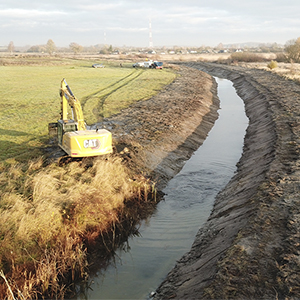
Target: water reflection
(187,204)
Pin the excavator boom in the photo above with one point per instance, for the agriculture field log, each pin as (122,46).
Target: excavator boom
(68,98)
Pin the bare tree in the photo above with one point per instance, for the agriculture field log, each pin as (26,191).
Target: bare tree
(220,46)
(76,48)
(37,48)
(292,48)
(11,47)
(50,47)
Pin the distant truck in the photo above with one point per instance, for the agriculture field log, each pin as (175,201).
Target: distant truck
(139,65)
(158,64)
(148,64)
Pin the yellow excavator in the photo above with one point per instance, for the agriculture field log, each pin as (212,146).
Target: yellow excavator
(72,134)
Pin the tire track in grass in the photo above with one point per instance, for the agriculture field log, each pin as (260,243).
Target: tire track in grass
(87,98)
(108,91)
(98,110)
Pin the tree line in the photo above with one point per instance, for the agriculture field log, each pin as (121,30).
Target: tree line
(291,50)
(51,48)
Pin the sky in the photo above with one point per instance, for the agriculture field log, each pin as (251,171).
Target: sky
(189,23)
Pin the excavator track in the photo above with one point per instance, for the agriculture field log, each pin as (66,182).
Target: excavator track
(86,161)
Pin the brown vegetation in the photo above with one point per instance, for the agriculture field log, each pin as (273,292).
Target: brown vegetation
(50,217)
(272,64)
(246,57)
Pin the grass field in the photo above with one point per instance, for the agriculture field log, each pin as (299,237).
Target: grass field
(30,97)
(50,216)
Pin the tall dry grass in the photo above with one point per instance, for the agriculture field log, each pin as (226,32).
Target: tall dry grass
(49,216)
(247,57)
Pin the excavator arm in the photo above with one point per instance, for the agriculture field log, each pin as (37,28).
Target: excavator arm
(68,98)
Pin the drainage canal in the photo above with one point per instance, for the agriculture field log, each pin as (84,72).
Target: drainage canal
(170,232)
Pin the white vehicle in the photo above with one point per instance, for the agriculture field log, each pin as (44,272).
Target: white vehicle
(138,65)
(144,64)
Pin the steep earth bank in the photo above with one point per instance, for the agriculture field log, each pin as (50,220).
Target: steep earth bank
(250,245)
(158,135)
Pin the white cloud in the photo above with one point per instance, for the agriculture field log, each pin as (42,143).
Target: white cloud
(126,21)
(17,13)
(98,7)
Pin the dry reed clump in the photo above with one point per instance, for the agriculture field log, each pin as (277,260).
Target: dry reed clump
(272,64)
(48,215)
(246,57)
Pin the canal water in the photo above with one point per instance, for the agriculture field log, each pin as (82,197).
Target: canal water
(137,271)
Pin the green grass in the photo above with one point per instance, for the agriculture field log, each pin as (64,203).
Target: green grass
(50,216)
(30,97)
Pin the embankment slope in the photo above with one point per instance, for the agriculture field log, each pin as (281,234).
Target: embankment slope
(158,135)
(250,245)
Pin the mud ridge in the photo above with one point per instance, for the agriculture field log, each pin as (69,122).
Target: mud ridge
(158,135)
(249,247)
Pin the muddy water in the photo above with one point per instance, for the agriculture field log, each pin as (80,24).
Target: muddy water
(137,271)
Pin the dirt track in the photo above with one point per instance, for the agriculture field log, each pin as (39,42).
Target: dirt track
(249,248)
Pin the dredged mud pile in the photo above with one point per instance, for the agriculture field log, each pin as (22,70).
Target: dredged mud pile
(250,245)
(158,135)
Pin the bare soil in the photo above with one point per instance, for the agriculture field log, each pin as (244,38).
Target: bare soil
(249,248)
(158,135)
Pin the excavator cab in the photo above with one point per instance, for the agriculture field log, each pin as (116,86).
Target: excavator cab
(72,135)
(63,127)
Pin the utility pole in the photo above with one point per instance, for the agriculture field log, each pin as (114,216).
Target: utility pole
(150,35)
